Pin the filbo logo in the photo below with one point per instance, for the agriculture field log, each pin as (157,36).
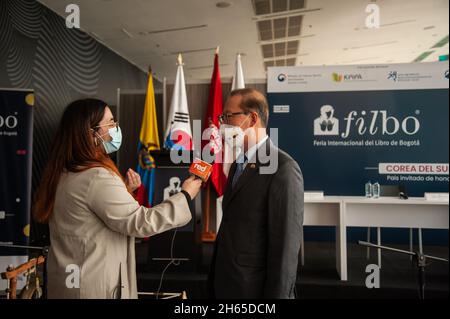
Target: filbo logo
(365,122)
(378,121)
(8,121)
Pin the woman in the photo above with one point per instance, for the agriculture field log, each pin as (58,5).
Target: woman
(92,215)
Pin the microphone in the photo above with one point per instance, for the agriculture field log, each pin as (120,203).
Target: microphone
(200,169)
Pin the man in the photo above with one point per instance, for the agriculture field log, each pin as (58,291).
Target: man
(257,246)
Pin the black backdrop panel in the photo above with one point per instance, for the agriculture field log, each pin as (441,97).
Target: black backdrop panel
(187,242)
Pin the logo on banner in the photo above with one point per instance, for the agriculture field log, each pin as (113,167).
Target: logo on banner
(336,77)
(446,74)
(9,125)
(281,77)
(326,124)
(393,75)
(364,122)
(396,76)
(372,123)
(9,121)
(173,188)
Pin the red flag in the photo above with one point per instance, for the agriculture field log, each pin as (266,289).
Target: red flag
(218,178)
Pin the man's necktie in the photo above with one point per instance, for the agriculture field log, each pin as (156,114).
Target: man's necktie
(239,171)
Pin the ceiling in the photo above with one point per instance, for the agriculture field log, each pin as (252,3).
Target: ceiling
(292,32)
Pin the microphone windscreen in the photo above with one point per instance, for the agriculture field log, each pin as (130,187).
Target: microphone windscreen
(200,169)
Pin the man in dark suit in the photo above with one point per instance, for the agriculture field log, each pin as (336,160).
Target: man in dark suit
(257,246)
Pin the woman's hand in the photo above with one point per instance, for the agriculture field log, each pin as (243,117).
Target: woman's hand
(192,186)
(132,180)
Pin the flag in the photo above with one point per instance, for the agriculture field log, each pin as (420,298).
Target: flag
(238,78)
(238,83)
(211,124)
(178,133)
(148,141)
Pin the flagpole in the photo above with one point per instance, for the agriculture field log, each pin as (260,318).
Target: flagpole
(207,235)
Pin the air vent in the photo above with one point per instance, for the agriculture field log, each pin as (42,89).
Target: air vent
(267,50)
(292,47)
(265,30)
(290,62)
(281,62)
(279,5)
(264,7)
(294,26)
(280,49)
(269,64)
(261,7)
(278,21)
(296,4)
(280,28)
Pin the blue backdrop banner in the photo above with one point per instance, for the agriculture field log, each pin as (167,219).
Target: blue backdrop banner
(347,125)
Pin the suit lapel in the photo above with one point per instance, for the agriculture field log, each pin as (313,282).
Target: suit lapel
(249,172)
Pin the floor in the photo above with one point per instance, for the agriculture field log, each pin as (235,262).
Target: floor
(318,278)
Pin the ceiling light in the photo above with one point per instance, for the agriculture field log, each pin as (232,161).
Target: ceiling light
(223,4)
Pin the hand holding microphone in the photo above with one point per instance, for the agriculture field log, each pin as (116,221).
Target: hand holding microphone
(200,172)
(192,186)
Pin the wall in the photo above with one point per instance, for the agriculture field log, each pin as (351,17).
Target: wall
(37,51)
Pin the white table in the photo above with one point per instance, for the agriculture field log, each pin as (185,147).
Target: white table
(327,212)
(415,212)
(355,211)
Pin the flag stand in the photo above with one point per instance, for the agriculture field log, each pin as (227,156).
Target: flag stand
(207,235)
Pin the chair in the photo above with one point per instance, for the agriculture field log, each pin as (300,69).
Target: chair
(393,191)
(32,290)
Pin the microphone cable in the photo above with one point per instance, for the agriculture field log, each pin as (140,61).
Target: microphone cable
(172,262)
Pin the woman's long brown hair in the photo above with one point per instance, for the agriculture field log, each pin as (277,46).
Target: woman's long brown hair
(74,149)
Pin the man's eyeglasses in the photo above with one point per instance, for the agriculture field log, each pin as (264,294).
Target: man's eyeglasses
(224,118)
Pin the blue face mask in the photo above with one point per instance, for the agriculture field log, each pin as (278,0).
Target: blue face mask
(113,145)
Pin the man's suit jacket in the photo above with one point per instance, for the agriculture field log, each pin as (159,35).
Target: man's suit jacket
(257,246)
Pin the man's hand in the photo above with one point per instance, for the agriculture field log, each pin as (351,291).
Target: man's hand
(132,180)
